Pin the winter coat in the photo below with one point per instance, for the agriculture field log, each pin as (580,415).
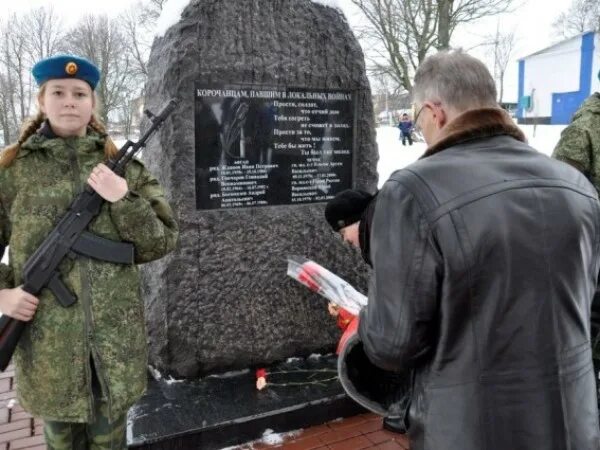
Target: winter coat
(52,360)
(405,126)
(485,256)
(579,144)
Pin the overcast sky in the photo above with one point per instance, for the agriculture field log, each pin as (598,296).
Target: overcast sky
(532,20)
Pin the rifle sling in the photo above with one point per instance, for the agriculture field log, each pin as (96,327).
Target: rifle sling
(92,246)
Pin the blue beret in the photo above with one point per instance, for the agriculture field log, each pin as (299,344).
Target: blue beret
(66,66)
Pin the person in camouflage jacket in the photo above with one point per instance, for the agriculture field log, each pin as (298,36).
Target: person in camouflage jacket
(99,344)
(579,146)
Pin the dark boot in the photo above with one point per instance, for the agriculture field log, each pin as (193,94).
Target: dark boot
(394,424)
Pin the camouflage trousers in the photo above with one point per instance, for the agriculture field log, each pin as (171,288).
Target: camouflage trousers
(102,434)
(99,435)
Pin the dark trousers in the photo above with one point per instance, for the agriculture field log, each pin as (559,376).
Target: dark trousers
(405,136)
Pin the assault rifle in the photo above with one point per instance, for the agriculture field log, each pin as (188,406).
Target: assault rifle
(69,239)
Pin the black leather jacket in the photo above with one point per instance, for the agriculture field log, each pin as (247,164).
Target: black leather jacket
(485,262)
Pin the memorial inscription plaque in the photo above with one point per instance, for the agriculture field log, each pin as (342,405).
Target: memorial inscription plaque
(257,146)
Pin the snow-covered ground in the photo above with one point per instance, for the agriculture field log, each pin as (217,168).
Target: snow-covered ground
(393,155)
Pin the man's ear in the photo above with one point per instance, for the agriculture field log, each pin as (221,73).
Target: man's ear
(441,118)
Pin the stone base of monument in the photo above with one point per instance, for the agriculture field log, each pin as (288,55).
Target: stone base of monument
(224,410)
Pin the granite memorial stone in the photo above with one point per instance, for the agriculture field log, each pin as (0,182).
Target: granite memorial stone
(274,118)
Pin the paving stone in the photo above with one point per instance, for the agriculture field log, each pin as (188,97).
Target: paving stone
(316,430)
(336,436)
(20,416)
(15,425)
(403,440)
(5,384)
(391,445)
(8,373)
(17,407)
(308,443)
(363,427)
(5,396)
(355,443)
(340,424)
(15,434)
(27,442)
(379,436)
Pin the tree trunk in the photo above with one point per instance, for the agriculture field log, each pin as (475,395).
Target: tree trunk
(444,13)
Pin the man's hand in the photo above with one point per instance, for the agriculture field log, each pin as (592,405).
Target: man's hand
(107,184)
(333,309)
(18,304)
(351,330)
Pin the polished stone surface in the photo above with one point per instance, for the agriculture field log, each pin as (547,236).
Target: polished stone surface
(225,410)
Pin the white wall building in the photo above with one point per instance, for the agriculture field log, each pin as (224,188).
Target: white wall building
(556,80)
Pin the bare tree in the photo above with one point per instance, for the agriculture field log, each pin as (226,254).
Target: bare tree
(14,77)
(452,13)
(401,33)
(137,41)
(502,44)
(582,16)
(120,48)
(9,127)
(44,31)
(151,10)
(138,24)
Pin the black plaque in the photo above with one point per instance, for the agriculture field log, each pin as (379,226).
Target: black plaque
(259,146)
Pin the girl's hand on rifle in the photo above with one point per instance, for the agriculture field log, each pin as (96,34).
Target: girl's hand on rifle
(18,304)
(107,184)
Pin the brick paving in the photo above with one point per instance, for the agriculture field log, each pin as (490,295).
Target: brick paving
(355,433)
(18,430)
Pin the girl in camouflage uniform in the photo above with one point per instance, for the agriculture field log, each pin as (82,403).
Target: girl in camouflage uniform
(79,368)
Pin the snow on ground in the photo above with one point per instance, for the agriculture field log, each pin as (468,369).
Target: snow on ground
(393,155)
(546,136)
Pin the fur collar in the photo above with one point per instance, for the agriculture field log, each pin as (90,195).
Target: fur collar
(476,124)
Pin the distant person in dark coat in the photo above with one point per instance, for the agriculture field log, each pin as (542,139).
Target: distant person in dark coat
(406,126)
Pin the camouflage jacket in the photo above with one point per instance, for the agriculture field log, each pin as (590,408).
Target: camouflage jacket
(579,144)
(52,360)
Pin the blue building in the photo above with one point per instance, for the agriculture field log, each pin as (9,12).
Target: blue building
(556,80)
